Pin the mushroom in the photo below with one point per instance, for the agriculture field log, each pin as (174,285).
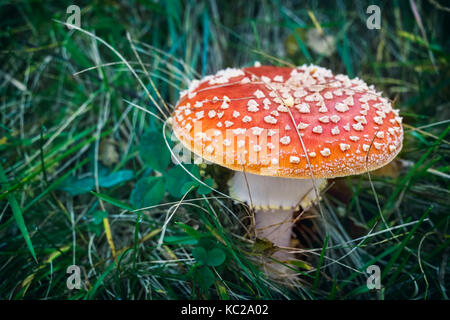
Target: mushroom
(284,131)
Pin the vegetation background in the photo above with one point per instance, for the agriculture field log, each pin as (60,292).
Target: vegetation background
(86,176)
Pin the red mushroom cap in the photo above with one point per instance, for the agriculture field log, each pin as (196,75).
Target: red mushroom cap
(253,119)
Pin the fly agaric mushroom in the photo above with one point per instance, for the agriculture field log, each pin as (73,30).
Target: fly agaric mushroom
(284,131)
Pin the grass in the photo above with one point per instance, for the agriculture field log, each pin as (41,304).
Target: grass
(82,115)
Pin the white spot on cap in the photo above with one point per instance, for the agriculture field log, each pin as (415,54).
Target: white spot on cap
(328,95)
(199,115)
(294,159)
(236,114)
(285,140)
(354,138)
(228,124)
(366,147)
(252,105)
(303,107)
(358,126)
(278,79)
(302,125)
(323,109)
(335,118)
(392,148)
(211,113)
(225,105)
(325,152)
(312,154)
(335,131)
(246,119)
(270,119)
(271,132)
(257,130)
(198,104)
(341,107)
(377,145)
(324,119)
(317,129)
(344,146)
(282,108)
(348,101)
(380,134)
(378,120)
(361,119)
(259,94)
(220,114)
(300,93)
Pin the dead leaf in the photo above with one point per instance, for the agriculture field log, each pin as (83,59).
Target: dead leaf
(108,153)
(320,43)
(391,170)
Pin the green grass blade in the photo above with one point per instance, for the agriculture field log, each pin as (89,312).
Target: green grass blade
(17,212)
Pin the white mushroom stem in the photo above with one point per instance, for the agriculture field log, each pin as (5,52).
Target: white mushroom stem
(274,199)
(275,226)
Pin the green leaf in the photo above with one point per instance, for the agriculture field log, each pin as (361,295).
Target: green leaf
(149,191)
(153,150)
(202,190)
(115,178)
(177,177)
(215,257)
(75,186)
(188,185)
(208,243)
(205,277)
(200,255)
(98,216)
